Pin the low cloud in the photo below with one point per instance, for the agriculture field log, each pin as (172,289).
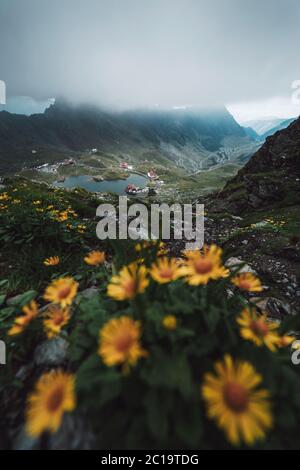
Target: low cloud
(128,53)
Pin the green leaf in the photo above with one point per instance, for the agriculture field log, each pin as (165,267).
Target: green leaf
(3,283)
(6,313)
(157,413)
(212,318)
(2,299)
(170,371)
(23,299)
(102,384)
(189,424)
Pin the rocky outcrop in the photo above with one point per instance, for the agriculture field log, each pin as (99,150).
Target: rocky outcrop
(272,175)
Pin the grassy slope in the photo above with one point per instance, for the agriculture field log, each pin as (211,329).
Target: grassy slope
(29,232)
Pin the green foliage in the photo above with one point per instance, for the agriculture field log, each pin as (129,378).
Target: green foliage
(30,232)
(156,404)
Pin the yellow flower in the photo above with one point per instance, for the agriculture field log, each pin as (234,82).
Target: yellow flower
(170,322)
(241,410)
(95,258)
(54,212)
(72,212)
(248,282)
(285,341)
(36,203)
(202,266)
(120,342)
(81,228)
(165,270)
(56,318)
(296,345)
(30,311)
(61,291)
(258,329)
(52,397)
(143,245)
(130,281)
(4,197)
(52,261)
(63,216)
(16,201)
(162,249)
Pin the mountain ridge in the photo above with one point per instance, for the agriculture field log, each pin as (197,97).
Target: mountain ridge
(179,135)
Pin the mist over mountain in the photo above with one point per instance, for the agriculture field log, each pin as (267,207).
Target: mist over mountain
(251,133)
(283,124)
(265,125)
(182,135)
(260,129)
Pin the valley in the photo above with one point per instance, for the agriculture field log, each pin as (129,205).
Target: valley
(47,235)
(191,150)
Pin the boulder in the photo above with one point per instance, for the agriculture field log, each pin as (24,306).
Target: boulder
(51,352)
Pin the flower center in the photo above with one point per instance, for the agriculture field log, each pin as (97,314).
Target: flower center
(58,319)
(236,397)
(64,292)
(166,273)
(203,266)
(245,285)
(259,328)
(124,342)
(55,400)
(131,286)
(26,319)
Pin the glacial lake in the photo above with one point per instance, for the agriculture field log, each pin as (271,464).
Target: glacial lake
(113,186)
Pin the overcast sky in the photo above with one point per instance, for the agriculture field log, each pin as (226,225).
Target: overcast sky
(131,53)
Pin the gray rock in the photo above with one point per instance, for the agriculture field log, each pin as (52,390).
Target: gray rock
(229,293)
(235,262)
(74,434)
(24,372)
(25,442)
(277,309)
(90,292)
(51,352)
(86,294)
(260,303)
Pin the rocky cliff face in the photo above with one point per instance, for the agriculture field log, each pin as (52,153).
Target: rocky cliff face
(272,175)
